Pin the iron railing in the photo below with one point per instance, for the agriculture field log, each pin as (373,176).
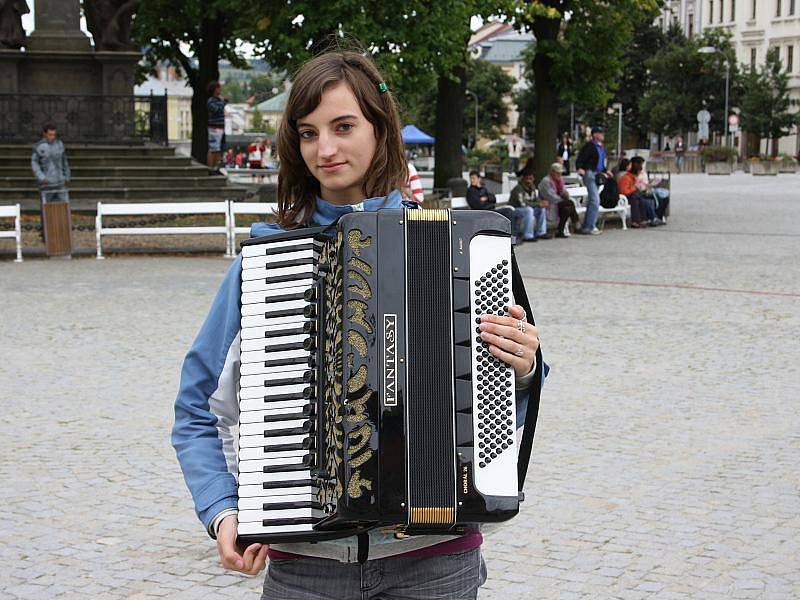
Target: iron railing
(84,118)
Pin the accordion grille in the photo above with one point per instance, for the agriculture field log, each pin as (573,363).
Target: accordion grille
(431,448)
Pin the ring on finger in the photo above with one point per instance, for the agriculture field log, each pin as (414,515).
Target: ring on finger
(521,325)
(520,351)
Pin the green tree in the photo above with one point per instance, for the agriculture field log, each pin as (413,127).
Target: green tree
(258,121)
(235,91)
(577,56)
(263,86)
(766,104)
(683,81)
(195,34)
(488,81)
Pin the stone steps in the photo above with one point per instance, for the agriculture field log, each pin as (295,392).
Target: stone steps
(103,161)
(118,171)
(8,150)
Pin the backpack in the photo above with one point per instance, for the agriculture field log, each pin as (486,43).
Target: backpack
(609,197)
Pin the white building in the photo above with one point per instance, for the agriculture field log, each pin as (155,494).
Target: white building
(755,27)
(166,81)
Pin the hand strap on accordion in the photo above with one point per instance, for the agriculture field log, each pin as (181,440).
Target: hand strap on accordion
(535,388)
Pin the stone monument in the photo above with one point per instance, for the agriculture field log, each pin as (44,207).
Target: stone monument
(61,78)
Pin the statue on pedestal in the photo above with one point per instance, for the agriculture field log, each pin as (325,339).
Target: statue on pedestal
(111,22)
(12,35)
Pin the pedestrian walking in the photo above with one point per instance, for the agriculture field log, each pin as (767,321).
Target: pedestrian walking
(216,125)
(514,152)
(50,166)
(680,153)
(341,151)
(591,164)
(564,151)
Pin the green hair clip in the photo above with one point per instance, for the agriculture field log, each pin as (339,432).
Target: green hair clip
(382,87)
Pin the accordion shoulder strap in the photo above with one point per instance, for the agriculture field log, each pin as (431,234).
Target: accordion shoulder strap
(535,388)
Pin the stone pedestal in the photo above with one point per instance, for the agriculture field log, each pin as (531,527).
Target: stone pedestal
(59,78)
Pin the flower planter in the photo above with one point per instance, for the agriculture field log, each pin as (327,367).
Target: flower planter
(788,166)
(764,167)
(719,168)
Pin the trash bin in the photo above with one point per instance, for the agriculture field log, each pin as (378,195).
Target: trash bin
(57,227)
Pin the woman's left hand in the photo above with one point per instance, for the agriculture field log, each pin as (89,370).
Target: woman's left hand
(511,339)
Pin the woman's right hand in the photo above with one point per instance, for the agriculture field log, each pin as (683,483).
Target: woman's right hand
(234,557)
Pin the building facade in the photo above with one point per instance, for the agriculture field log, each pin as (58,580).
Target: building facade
(755,27)
(167,80)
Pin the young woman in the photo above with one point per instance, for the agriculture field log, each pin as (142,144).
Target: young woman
(340,151)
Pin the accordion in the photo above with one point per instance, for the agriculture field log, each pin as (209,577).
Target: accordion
(367,398)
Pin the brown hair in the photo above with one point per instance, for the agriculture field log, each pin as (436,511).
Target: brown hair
(297,187)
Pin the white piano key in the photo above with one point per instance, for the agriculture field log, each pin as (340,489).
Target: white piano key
(256,516)
(259,529)
(271,392)
(264,296)
(274,458)
(262,321)
(259,441)
(287,495)
(260,285)
(296,271)
(263,356)
(259,367)
(260,428)
(259,262)
(271,307)
(274,494)
(259,478)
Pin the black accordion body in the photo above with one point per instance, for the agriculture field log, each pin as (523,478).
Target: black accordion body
(367,398)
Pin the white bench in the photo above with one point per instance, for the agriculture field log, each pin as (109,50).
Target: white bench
(14,213)
(579,196)
(460,202)
(161,208)
(246,208)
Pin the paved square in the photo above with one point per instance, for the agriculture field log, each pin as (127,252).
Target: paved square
(666,458)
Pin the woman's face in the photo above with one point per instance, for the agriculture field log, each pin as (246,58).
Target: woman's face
(337,143)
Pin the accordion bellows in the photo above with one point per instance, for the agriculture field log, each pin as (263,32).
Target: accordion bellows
(367,397)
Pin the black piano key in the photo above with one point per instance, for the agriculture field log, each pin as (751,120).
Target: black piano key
(284,381)
(293,396)
(281,362)
(307,411)
(297,521)
(289,312)
(270,251)
(288,277)
(286,297)
(294,262)
(283,332)
(290,505)
(306,428)
(286,468)
(306,444)
(271,485)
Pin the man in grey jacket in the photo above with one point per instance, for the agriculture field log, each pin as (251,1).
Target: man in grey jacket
(50,166)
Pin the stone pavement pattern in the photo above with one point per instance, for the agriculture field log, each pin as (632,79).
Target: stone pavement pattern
(665,463)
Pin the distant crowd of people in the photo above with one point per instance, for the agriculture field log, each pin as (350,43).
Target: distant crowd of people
(532,207)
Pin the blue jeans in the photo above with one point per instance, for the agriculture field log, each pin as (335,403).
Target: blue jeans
(540,214)
(451,576)
(526,213)
(592,202)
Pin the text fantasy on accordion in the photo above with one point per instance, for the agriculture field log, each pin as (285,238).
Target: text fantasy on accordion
(367,398)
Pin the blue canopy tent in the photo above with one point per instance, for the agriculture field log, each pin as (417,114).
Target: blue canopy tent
(412,135)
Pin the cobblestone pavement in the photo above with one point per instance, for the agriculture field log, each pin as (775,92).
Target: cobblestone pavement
(666,458)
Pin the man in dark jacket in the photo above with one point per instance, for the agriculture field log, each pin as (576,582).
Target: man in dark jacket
(479,198)
(591,161)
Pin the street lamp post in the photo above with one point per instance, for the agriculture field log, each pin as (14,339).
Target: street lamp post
(474,95)
(712,50)
(618,107)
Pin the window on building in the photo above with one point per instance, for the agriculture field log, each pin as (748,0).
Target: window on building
(753,58)
(690,33)
(753,9)
(733,10)
(721,10)
(789,59)
(710,11)
(777,8)
(791,7)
